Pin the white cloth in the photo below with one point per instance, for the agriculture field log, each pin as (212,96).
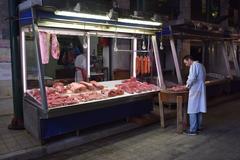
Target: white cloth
(80,63)
(197,89)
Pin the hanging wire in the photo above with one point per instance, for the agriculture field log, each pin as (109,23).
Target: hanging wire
(115,40)
(85,44)
(161,42)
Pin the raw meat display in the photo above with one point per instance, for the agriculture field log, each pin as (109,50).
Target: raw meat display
(97,85)
(76,87)
(89,86)
(60,95)
(115,92)
(56,84)
(89,96)
(133,86)
(177,88)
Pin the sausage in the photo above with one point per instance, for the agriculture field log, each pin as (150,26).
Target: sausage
(149,65)
(137,65)
(142,65)
(145,65)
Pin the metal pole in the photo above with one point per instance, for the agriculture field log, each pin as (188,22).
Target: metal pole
(39,63)
(134,57)
(158,63)
(226,60)
(17,121)
(88,57)
(234,56)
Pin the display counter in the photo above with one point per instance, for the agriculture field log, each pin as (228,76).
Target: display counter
(62,119)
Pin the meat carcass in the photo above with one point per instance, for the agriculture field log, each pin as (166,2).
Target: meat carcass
(55,48)
(97,85)
(89,86)
(44,41)
(76,87)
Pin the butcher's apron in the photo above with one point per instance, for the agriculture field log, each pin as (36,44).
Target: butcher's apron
(78,74)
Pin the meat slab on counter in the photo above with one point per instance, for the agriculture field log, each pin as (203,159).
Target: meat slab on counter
(177,88)
(115,92)
(133,86)
(74,93)
(76,87)
(97,85)
(89,86)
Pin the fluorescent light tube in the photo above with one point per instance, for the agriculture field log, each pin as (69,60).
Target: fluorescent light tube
(135,21)
(82,15)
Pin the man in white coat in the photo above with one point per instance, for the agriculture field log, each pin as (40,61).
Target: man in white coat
(197,94)
(81,67)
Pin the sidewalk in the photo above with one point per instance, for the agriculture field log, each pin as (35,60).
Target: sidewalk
(20,145)
(14,140)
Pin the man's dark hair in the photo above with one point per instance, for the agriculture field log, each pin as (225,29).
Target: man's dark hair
(187,57)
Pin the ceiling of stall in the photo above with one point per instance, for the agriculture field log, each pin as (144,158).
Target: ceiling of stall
(86,5)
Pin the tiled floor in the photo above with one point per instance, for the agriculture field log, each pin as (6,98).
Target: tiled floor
(11,140)
(6,106)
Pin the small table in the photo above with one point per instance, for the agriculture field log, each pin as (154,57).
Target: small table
(180,98)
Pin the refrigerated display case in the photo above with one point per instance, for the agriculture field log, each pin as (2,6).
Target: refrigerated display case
(51,111)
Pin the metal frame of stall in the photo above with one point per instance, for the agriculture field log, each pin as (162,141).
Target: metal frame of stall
(179,98)
(45,123)
(226,43)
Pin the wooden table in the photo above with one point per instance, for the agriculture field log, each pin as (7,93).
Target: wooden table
(180,98)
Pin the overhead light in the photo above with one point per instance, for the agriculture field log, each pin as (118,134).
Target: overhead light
(143,43)
(135,21)
(161,46)
(77,7)
(82,15)
(155,17)
(115,45)
(97,27)
(113,15)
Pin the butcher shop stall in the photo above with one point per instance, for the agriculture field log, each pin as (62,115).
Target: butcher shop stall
(119,57)
(209,44)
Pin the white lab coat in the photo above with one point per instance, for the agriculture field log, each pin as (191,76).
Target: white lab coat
(197,88)
(80,63)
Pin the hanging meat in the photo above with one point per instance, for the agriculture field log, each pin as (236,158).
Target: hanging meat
(55,48)
(44,42)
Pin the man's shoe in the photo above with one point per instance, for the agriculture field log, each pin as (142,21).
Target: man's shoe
(199,130)
(190,133)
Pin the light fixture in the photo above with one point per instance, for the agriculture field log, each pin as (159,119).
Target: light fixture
(115,45)
(161,46)
(135,21)
(143,43)
(155,18)
(161,42)
(113,15)
(77,7)
(82,15)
